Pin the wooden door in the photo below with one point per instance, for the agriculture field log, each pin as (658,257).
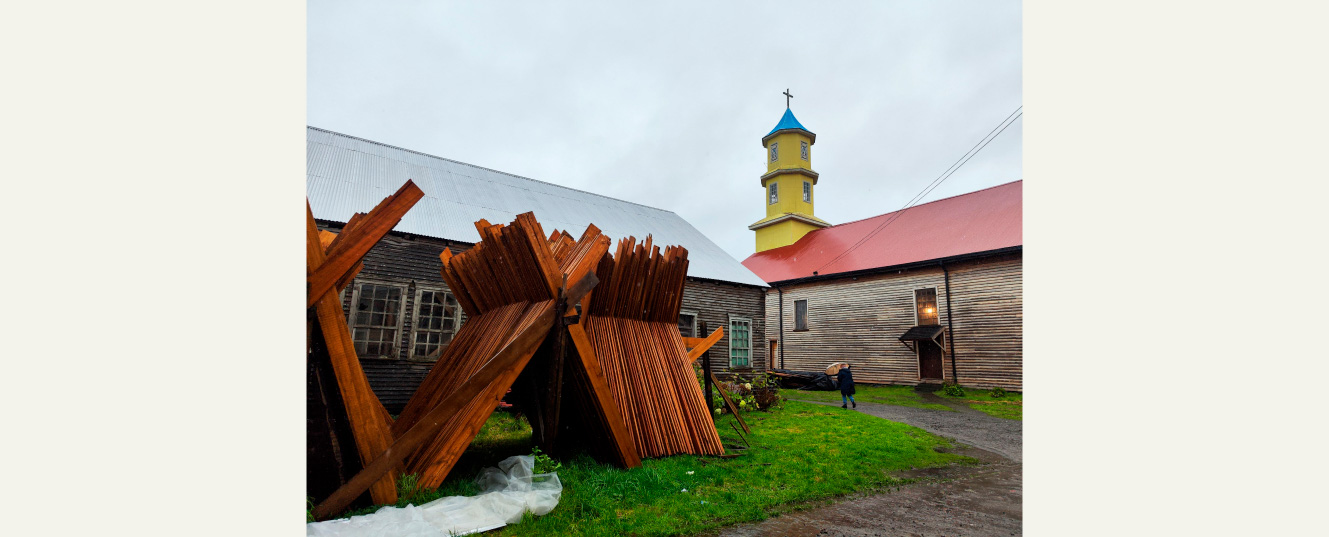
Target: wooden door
(929,361)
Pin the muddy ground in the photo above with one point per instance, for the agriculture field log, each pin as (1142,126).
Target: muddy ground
(979,500)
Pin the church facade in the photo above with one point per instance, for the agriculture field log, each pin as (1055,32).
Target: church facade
(928,295)
(401,313)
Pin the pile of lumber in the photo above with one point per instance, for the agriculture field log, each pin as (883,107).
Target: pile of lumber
(506,284)
(632,324)
(629,374)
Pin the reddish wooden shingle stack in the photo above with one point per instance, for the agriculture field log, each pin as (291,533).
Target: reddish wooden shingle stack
(632,323)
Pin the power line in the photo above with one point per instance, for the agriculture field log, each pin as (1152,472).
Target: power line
(987,139)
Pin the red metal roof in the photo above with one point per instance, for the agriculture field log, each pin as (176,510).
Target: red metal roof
(988,219)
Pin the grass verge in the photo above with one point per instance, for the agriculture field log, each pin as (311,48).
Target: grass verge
(884,395)
(1010,407)
(800,456)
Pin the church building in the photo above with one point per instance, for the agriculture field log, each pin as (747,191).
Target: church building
(926,295)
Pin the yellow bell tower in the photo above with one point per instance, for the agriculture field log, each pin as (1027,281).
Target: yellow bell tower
(788,183)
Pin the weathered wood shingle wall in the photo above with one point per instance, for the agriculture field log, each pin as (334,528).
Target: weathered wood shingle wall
(715,303)
(989,319)
(858,320)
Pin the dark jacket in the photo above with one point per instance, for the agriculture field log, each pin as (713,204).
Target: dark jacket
(846,380)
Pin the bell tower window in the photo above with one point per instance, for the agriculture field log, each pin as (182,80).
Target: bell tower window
(807,191)
(805,150)
(775,151)
(775,193)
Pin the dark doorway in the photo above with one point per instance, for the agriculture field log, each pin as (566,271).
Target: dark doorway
(929,353)
(929,361)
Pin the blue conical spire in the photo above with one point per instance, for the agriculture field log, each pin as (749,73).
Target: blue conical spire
(788,121)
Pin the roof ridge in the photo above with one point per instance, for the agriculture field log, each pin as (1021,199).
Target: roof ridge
(486,169)
(922,204)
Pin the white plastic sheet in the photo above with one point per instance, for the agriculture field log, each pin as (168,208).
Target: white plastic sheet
(506,493)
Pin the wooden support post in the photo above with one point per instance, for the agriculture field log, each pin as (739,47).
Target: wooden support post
(706,375)
(553,392)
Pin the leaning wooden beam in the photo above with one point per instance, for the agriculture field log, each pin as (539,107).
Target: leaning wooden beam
(729,402)
(326,238)
(370,423)
(624,446)
(705,344)
(356,242)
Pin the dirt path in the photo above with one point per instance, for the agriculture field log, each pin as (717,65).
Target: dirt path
(981,500)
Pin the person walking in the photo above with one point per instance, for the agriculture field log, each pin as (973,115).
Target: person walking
(846,381)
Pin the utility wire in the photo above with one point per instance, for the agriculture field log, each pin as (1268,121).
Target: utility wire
(987,139)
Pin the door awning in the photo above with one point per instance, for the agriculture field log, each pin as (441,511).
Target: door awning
(923,332)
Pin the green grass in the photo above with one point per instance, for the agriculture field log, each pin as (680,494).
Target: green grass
(802,455)
(1009,407)
(885,395)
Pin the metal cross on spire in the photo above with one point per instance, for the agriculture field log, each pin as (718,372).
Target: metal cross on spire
(787,96)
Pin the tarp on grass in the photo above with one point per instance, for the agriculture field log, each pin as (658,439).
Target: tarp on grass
(507,492)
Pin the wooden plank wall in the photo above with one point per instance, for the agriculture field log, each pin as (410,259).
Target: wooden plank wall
(412,260)
(394,381)
(989,318)
(857,320)
(714,302)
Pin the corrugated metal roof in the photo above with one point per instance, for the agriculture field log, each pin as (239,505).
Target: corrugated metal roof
(346,174)
(981,221)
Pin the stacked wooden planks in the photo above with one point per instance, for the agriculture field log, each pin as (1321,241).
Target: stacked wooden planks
(630,373)
(505,283)
(631,321)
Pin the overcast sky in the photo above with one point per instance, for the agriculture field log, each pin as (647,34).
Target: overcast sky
(666,105)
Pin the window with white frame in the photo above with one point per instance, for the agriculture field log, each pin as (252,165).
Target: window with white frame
(740,342)
(437,318)
(775,151)
(805,150)
(775,193)
(807,191)
(376,319)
